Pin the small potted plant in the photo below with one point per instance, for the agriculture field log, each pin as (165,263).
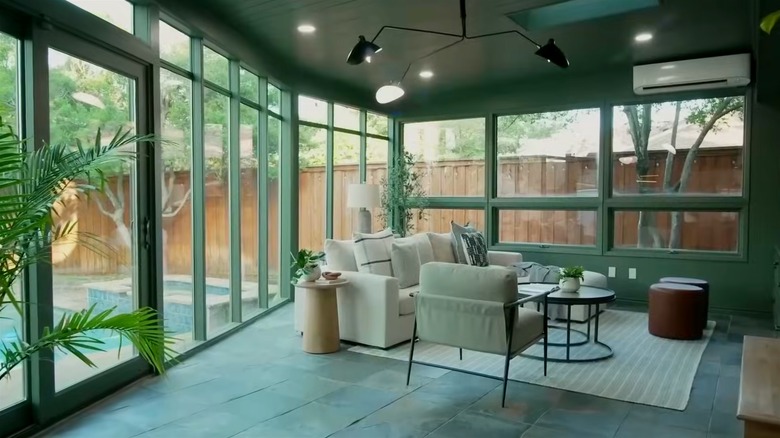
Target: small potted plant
(570,278)
(306,265)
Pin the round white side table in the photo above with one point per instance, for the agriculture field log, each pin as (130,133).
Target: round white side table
(321,325)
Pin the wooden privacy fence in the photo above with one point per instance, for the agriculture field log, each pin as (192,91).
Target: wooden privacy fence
(716,171)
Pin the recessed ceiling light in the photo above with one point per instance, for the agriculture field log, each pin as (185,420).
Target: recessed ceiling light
(643,37)
(426,74)
(306,28)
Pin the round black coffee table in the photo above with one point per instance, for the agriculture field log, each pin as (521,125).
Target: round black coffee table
(585,296)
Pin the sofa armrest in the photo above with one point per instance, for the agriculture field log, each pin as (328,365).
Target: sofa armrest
(368,307)
(504,258)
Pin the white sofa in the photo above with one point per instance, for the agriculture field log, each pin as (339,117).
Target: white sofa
(373,310)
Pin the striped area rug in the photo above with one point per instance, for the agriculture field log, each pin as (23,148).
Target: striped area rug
(644,369)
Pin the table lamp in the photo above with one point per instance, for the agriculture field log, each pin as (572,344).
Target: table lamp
(364,197)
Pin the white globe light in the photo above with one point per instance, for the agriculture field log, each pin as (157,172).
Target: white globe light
(389,93)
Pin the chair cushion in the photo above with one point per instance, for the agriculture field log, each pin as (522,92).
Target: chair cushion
(340,255)
(405,301)
(372,252)
(457,241)
(405,261)
(441,244)
(475,249)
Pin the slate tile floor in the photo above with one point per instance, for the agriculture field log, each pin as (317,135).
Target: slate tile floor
(258,383)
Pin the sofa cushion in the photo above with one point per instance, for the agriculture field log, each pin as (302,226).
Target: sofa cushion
(340,255)
(405,261)
(405,301)
(424,247)
(457,241)
(372,252)
(441,243)
(475,249)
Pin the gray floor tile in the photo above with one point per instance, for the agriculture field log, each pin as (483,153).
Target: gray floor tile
(726,424)
(381,430)
(596,422)
(306,387)
(204,425)
(261,405)
(87,427)
(394,380)
(160,411)
(472,424)
(418,413)
(689,419)
(632,428)
(522,406)
(460,389)
(544,432)
(311,420)
(727,395)
(360,399)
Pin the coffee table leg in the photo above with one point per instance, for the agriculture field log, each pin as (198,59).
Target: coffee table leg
(589,322)
(596,337)
(321,330)
(568,330)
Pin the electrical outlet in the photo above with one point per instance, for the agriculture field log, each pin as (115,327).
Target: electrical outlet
(632,273)
(611,272)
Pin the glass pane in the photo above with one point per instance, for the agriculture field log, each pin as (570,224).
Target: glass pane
(677,230)
(438,220)
(692,147)
(215,67)
(117,12)
(451,154)
(376,124)
(312,188)
(274,99)
(312,110)
(12,388)
(376,170)
(174,46)
(346,161)
(250,84)
(551,227)
(82,99)
(176,205)
(549,154)
(215,106)
(273,195)
(250,213)
(346,117)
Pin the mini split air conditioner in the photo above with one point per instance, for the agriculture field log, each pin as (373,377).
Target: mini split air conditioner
(692,74)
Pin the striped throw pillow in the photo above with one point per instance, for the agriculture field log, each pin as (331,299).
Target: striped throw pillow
(475,249)
(372,252)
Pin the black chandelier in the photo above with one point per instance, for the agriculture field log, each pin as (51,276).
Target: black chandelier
(364,50)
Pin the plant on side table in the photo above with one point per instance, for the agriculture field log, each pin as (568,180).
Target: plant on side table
(571,278)
(306,265)
(35,186)
(402,193)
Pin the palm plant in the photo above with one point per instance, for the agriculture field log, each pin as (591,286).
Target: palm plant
(32,185)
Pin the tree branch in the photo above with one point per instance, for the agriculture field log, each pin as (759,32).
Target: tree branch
(180,206)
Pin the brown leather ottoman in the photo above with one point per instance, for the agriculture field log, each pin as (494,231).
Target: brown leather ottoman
(694,282)
(675,311)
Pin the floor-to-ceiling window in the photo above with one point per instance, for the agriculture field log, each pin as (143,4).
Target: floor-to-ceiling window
(274,260)
(251,220)
(312,180)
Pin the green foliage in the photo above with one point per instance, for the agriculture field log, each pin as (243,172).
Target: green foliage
(769,22)
(33,185)
(402,193)
(304,262)
(573,272)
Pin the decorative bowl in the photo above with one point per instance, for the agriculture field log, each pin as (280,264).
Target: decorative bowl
(331,275)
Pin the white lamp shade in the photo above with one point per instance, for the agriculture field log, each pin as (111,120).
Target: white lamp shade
(389,93)
(362,196)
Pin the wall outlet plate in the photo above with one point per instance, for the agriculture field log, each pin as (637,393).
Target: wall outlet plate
(632,273)
(611,273)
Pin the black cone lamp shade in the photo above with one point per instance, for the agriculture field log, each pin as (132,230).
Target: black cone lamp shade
(362,50)
(553,53)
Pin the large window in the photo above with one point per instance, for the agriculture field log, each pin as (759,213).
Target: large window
(677,230)
(451,155)
(439,220)
(215,67)
(117,12)
(273,196)
(174,46)
(249,137)
(692,147)
(346,159)
(548,227)
(12,389)
(312,110)
(312,187)
(548,154)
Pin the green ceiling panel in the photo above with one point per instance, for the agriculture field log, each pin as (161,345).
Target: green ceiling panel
(573,11)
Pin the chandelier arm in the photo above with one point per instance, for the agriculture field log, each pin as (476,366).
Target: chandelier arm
(440,49)
(410,29)
(504,33)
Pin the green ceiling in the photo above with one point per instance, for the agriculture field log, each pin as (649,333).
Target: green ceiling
(682,29)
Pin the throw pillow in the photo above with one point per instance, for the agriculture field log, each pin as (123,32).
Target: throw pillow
(441,243)
(475,249)
(340,255)
(424,248)
(457,242)
(372,252)
(405,260)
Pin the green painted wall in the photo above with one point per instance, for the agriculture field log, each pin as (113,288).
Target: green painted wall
(736,285)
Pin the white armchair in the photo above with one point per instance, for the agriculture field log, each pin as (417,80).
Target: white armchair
(373,310)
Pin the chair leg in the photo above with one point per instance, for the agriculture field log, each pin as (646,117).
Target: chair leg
(508,355)
(545,352)
(506,380)
(460,351)
(411,353)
